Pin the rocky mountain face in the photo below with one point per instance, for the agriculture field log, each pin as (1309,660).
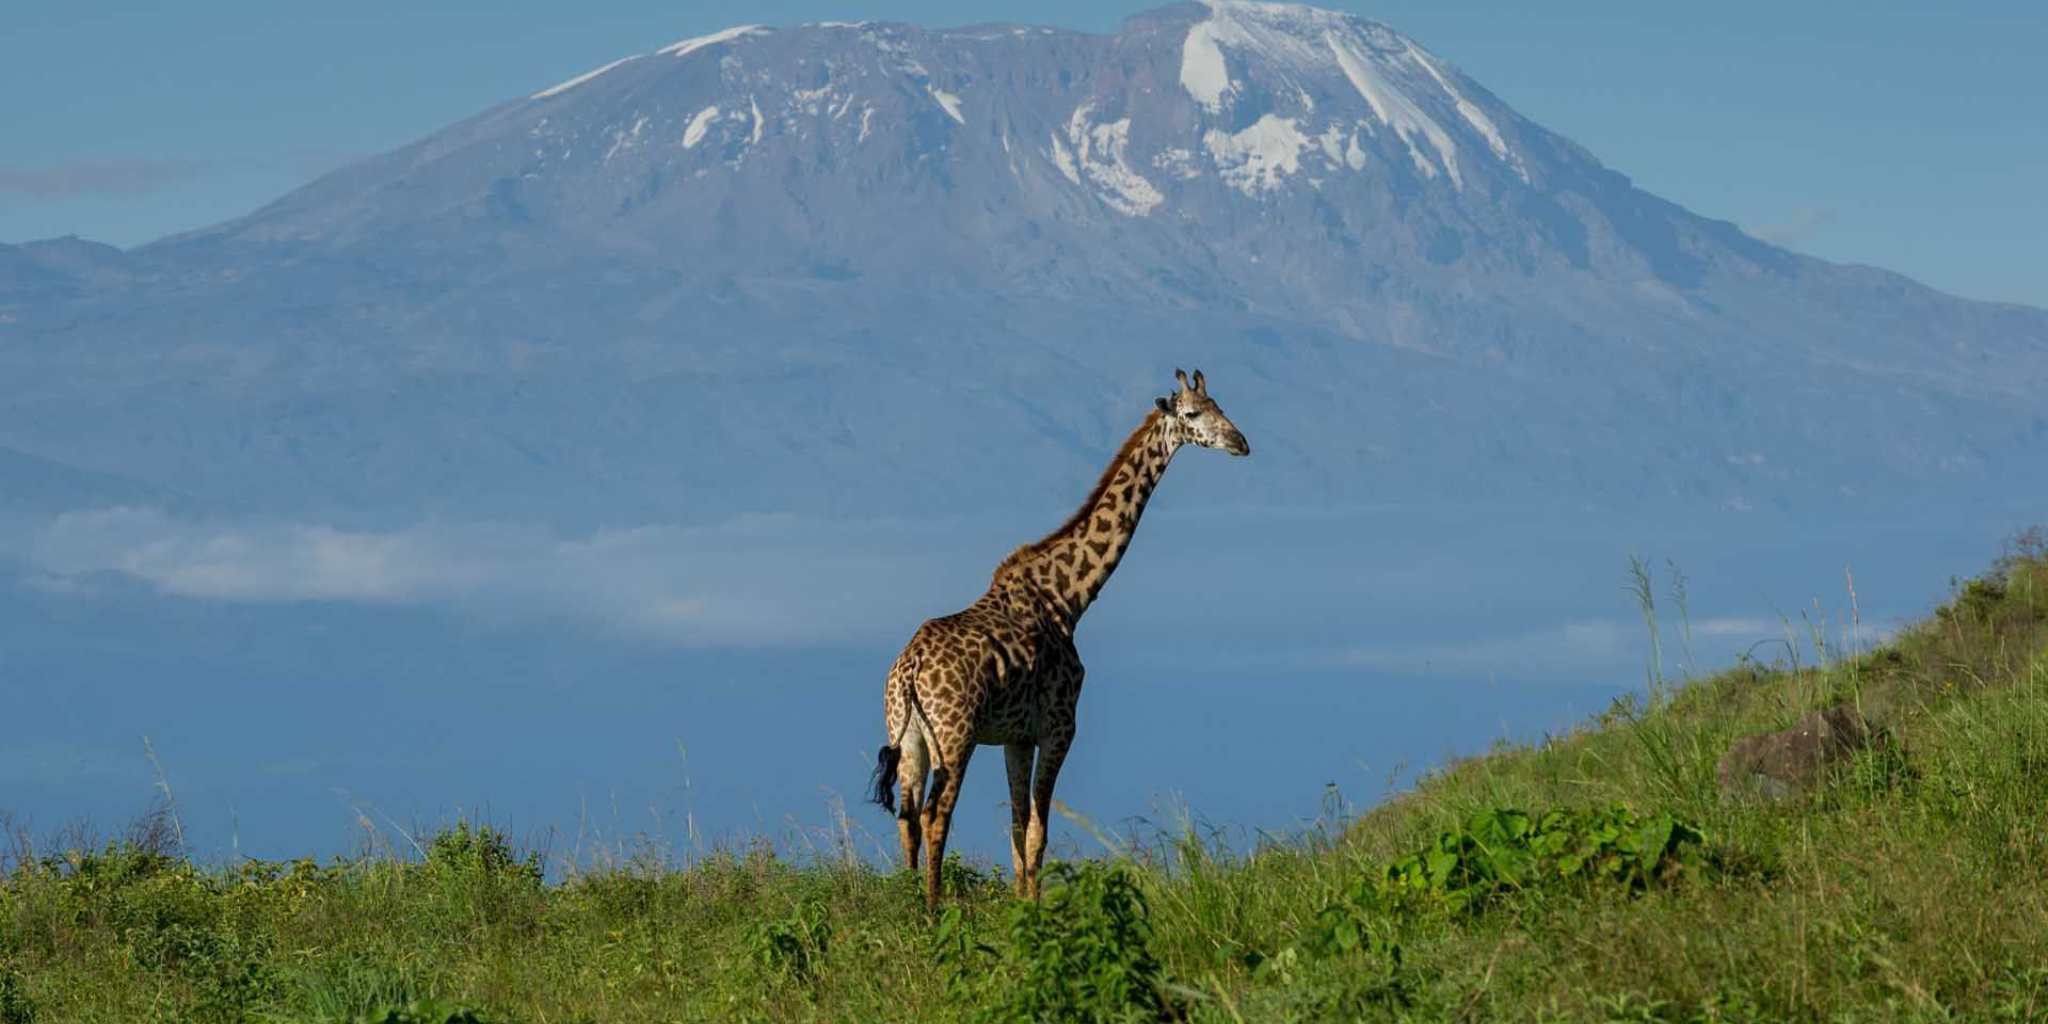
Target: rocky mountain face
(873,269)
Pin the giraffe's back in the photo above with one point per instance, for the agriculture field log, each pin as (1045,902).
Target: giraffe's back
(986,674)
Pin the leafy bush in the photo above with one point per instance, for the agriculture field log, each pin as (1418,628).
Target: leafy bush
(171,920)
(349,988)
(958,878)
(478,873)
(481,853)
(424,1012)
(793,945)
(114,867)
(955,949)
(1084,953)
(1499,851)
(15,1005)
(1506,849)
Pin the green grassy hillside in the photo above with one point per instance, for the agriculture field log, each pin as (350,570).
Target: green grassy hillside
(1599,876)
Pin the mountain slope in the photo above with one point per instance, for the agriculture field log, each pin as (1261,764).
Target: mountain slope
(835,267)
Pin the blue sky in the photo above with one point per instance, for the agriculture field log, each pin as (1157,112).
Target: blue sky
(265,658)
(1896,134)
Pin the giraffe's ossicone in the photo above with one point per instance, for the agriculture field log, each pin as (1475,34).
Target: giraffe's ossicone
(1005,672)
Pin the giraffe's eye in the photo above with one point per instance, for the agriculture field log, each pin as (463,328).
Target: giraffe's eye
(1192,414)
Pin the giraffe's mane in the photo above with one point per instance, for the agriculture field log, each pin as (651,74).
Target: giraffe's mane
(1017,559)
(1130,445)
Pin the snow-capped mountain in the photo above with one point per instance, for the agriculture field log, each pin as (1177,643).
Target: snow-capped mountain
(873,268)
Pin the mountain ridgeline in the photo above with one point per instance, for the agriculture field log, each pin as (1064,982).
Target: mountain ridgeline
(878,269)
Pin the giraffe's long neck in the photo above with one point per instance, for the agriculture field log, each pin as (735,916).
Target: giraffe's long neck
(1073,562)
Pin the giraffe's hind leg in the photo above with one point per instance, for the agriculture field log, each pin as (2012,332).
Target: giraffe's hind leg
(1017,758)
(938,819)
(911,773)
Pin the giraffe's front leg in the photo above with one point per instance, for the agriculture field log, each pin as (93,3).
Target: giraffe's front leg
(1017,758)
(1051,752)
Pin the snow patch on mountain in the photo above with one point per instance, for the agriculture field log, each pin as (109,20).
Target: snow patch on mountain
(1302,52)
(1064,160)
(810,101)
(1203,72)
(556,90)
(1178,162)
(1470,112)
(1332,142)
(1258,158)
(698,126)
(1395,109)
(690,46)
(1280,40)
(1101,154)
(947,100)
(885,38)
(625,139)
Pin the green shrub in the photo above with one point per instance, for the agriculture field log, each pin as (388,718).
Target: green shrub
(1084,953)
(794,945)
(960,955)
(424,1012)
(15,1005)
(478,874)
(350,987)
(1502,850)
(482,853)
(956,878)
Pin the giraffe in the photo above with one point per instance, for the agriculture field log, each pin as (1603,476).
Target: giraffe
(1005,671)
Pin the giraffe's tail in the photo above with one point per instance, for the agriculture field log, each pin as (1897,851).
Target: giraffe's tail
(886,760)
(884,779)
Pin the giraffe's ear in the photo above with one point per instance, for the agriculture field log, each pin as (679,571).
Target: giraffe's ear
(1182,377)
(1200,388)
(1163,405)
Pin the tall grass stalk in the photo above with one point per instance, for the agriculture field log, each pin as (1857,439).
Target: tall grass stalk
(1640,587)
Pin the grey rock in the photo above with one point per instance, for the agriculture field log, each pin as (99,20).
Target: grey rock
(1790,762)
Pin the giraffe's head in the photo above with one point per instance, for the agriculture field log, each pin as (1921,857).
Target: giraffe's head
(1192,417)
